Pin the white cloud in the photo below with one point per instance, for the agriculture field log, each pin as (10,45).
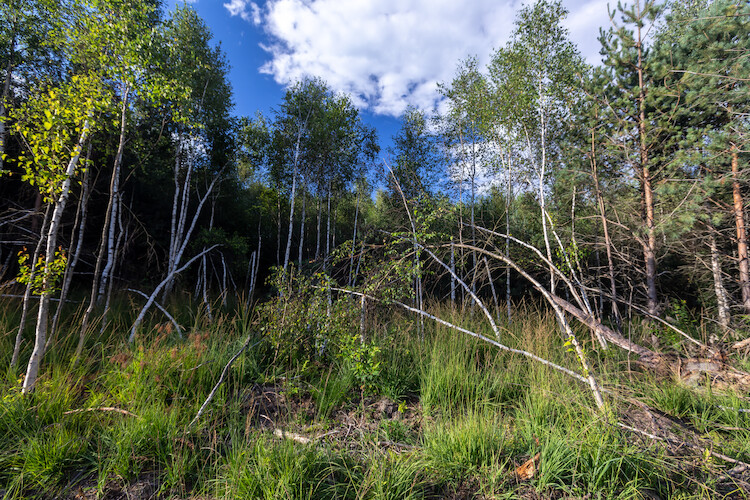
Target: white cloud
(583,22)
(391,53)
(240,8)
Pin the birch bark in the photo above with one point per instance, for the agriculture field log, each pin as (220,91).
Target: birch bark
(32,370)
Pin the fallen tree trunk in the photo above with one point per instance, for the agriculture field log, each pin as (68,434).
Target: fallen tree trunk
(691,371)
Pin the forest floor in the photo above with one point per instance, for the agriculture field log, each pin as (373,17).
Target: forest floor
(395,417)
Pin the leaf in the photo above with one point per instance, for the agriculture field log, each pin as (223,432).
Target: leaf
(47,125)
(527,470)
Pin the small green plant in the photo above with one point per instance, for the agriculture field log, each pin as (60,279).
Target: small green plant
(362,359)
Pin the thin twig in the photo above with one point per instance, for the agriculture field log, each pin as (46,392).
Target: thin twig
(102,408)
(221,379)
(159,306)
(474,334)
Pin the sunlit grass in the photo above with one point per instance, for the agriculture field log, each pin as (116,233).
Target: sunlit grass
(467,416)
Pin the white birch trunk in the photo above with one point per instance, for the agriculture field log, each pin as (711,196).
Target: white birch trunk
(291,218)
(453,271)
(291,195)
(302,226)
(32,370)
(27,293)
(121,236)
(158,289)
(492,287)
(114,194)
(224,289)
(542,197)
(328,224)
(81,218)
(508,195)
(354,240)
(722,298)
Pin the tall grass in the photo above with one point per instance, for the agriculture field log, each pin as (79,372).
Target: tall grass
(467,416)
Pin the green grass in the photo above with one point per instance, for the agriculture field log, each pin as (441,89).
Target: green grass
(467,416)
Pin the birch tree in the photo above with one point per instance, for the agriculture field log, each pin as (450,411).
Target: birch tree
(536,74)
(118,39)
(55,127)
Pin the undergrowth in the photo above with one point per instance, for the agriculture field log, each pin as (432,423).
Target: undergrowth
(390,416)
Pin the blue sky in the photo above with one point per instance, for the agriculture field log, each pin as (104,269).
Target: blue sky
(386,54)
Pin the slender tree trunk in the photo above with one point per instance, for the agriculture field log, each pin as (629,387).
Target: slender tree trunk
(250,277)
(302,226)
(474,263)
(174,240)
(224,287)
(453,272)
(204,283)
(607,240)
(113,217)
(32,370)
(354,240)
(317,237)
(5,99)
(121,237)
(291,218)
(492,287)
(27,293)
(278,230)
(81,218)
(97,270)
(461,250)
(722,298)
(328,224)
(333,227)
(542,197)
(508,195)
(649,244)
(291,196)
(739,218)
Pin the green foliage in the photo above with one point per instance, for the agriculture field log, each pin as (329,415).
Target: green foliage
(304,323)
(43,278)
(415,165)
(51,125)
(361,358)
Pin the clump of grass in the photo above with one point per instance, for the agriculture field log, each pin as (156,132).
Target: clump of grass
(269,470)
(460,447)
(395,477)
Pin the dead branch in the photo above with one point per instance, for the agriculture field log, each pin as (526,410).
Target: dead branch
(158,289)
(159,307)
(221,379)
(741,344)
(102,408)
(479,336)
(299,438)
